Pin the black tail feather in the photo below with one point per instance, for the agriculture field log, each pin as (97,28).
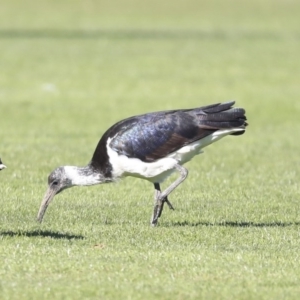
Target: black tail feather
(218,107)
(221,116)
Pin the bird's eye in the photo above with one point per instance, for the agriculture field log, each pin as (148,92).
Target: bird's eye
(55,182)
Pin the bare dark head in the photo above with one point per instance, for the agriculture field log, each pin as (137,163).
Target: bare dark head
(58,180)
(65,177)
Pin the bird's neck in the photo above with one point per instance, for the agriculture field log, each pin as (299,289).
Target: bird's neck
(84,175)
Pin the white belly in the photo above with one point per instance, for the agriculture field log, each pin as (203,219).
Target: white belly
(160,169)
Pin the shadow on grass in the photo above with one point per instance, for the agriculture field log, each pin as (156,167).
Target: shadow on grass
(236,224)
(42,233)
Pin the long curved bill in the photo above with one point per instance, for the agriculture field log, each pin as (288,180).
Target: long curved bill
(51,192)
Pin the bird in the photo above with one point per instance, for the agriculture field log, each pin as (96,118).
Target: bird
(150,146)
(2,166)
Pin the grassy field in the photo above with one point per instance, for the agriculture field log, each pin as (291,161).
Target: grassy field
(70,69)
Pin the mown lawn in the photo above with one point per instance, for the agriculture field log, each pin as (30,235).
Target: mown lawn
(70,69)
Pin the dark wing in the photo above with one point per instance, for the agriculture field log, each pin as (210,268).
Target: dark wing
(155,135)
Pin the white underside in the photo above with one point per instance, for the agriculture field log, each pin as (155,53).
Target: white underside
(159,170)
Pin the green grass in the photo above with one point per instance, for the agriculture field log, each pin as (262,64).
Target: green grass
(70,69)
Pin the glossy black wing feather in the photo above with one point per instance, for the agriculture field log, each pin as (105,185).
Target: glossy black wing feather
(218,107)
(228,119)
(155,135)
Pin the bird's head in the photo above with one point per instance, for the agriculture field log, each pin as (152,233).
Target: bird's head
(58,180)
(65,177)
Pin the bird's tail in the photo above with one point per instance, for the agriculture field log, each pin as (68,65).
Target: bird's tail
(222,116)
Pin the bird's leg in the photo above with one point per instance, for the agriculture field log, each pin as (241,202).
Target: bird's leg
(163,196)
(159,204)
(157,193)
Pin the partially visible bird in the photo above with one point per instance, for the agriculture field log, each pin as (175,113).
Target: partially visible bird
(2,166)
(150,146)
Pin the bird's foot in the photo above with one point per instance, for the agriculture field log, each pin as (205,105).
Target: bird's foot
(157,210)
(169,204)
